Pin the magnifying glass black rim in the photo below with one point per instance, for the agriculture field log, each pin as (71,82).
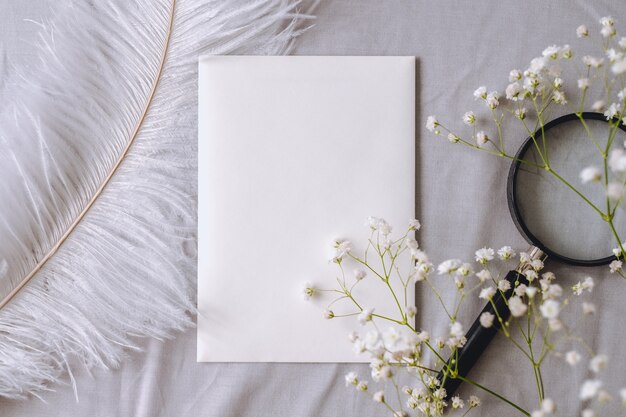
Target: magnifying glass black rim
(513,199)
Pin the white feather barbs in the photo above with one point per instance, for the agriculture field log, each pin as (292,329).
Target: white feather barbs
(105,252)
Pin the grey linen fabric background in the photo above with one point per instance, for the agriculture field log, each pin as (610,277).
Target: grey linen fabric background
(460,200)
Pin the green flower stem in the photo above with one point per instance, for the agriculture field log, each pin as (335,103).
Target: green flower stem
(591,136)
(364,263)
(497,153)
(495,394)
(619,241)
(438,296)
(564,181)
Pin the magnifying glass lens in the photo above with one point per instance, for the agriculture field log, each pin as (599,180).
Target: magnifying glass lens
(549,210)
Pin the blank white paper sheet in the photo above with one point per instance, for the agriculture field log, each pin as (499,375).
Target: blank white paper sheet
(295,152)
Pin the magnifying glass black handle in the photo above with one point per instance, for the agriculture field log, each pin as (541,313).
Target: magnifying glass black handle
(479,337)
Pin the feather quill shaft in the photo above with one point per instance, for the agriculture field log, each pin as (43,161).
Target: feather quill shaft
(106,181)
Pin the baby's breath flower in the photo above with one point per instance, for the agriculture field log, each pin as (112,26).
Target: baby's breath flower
(411,243)
(359,274)
(412,403)
(566,52)
(414,224)
(531,275)
(505,253)
(456,329)
(583,83)
(521,113)
(386,372)
(353,337)
(517,306)
(328,314)
(622,43)
(589,389)
(622,394)
(611,112)
(536,65)
(379,396)
(411,311)
(308,291)
(622,95)
(449,266)
(530,292)
(480,92)
(582,31)
(515,75)
(589,308)
(552,291)
(469,118)
(452,138)
(551,52)
(457,402)
(432,124)
(483,275)
(465,270)
(365,316)
(559,97)
(493,100)
(613,55)
(487,293)
(440,393)
(474,401)
(481,138)
(351,379)
(383,227)
(342,248)
(520,290)
(557,83)
(537,264)
(590,174)
(607,21)
(608,27)
(572,357)
(362,386)
(440,343)
(486,319)
(592,62)
(548,406)
(422,269)
(598,105)
(504,285)
(619,67)
(550,309)
(598,363)
(615,266)
(421,257)
(513,91)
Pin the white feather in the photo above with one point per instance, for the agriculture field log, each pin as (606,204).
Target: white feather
(126,268)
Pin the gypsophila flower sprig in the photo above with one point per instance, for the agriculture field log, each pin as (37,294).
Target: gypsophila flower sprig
(397,348)
(533,93)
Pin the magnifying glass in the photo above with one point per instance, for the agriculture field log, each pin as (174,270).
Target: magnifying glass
(556,221)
